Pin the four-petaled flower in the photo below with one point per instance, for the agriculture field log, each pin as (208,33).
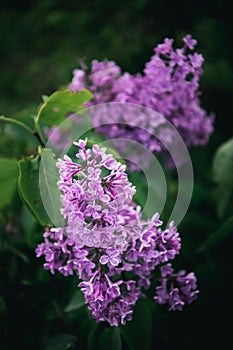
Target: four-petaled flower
(113,258)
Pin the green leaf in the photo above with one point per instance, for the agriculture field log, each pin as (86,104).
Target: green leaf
(28,219)
(16,138)
(76,302)
(111,339)
(137,333)
(50,193)
(29,188)
(8,180)
(26,115)
(55,108)
(61,342)
(223,232)
(93,338)
(223,170)
(34,235)
(16,122)
(139,180)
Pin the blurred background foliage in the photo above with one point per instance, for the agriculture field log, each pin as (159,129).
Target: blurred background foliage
(41,43)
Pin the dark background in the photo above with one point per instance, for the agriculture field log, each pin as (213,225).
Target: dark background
(41,43)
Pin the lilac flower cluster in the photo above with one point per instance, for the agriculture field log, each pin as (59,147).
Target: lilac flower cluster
(105,240)
(176,289)
(169,85)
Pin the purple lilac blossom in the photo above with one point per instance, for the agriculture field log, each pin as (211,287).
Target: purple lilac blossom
(105,238)
(176,290)
(169,85)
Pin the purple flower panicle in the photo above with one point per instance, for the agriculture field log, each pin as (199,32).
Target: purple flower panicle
(169,85)
(105,238)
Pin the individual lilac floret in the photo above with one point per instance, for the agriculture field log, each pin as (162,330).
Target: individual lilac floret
(106,242)
(176,290)
(169,85)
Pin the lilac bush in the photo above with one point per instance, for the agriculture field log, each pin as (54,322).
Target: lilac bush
(114,252)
